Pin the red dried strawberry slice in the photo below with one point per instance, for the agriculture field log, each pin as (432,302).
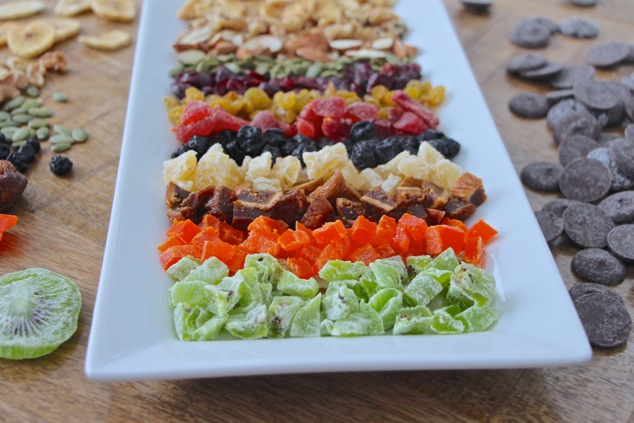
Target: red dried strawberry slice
(383,128)
(335,129)
(225,120)
(394,114)
(333,107)
(409,104)
(307,128)
(204,126)
(410,124)
(194,111)
(265,120)
(361,111)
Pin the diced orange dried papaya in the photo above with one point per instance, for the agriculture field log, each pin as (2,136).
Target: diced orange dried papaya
(186,230)
(209,220)
(7,221)
(266,223)
(366,254)
(171,241)
(414,226)
(310,253)
(230,234)
(401,242)
(293,240)
(483,230)
(327,254)
(454,222)
(385,231)
(237,261)
(385,250)
(261,241)
(208,234)
(330,232)
(223,251)
(363,230)
(440,237)
(300,267)
(300,227)
(175,253)
(474,252)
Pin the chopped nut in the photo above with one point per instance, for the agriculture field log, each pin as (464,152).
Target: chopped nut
(54,61)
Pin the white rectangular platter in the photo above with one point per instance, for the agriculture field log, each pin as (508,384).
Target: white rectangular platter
(132,335)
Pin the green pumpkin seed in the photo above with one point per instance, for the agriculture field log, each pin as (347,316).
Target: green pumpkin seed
(60,147)
(4,116)
(176,70)
(79,135)
(33,91)
(8,123)
(21,134)
(314,70)
(22,118)
(8,131)
(20,110)
(61,129)
(60,97)
(40,111)
(233,67)
(202,66)
(38,123)
(61,138)
(32,102)
(18,144)
(42,133)
(13,103)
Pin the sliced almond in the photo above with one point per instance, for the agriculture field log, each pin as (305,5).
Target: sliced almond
(270,42)
(65,28)
(224,47)
(112,40)
(72,7)
(345,44)
(190,57)
(196,35)
(115,10)
(4,31)
(312,54)
(383,43)
(192,9)
(366,52)
(20,9)
(32,39)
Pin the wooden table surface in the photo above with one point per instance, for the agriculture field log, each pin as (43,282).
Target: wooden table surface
(64,221)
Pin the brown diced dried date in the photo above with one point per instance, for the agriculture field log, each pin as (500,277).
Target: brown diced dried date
(12,185)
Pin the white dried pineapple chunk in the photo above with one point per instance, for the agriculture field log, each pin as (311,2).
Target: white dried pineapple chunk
(392,166)
(445,173)
(217,168)
(372,179)
(351,175)
(259,167)
(286,170)
(414,167)
(267,184)
(390,184)
(429,154)
(245,163)
(181,170)
(323,163)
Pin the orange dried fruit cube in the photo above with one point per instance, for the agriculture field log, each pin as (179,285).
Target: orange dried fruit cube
(474,252)
(367,254)
(293,240)
(209,234)
(414,226)
(171,241)
(221,250)
(330,232)
(440,237)
(483,230)
(175,253)
(385,231)
(327,254)
(455,223)
(302,268)
(186,230)
(363,230)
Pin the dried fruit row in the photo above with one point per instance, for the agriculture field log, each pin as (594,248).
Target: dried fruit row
(358,77)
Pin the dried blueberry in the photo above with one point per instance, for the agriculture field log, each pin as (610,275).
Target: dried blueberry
(288,147)
(181,150)
(18,162)
(232,148)
(301,139)
(60,165)
(322,143)
(430,135)
(275,137)
(223,137)
(362,155)
(387,149)
(251,140)
(349,144)
(363,130)
(275,152)
(411,144)
(4,140)
(200,144)
(26,153)
(446,146)
(5,150)
(34,143)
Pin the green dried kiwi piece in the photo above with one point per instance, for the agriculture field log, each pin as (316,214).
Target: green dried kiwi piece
(387,276)
(326,327)
(369,283)
(196,323)
(475,283)
(306,322)
(183,267)
(478,318)
(281,311)
(416,264)
(290,284)
(192,293)
(446,260)
(211,271)
(456,296)
(251,323)
(422,289)
(39,310)
(251,293)
(387,302)
(267,267)
(366,321)
(412,321)
(338,270)
(339,301)
(357,286)
(444,321)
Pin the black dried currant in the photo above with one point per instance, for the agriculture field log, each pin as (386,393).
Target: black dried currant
(60,165)
(446,146)
(181,150)
(387,149)
(275,152)
(363,130)
(410,144)
(275,137)
(199,144)
(5,150)
(26,153)
(232,148)
(18,162)
(362,156)
(251,140)
(34,143)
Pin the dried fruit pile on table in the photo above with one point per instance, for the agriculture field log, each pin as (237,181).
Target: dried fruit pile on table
(313,192)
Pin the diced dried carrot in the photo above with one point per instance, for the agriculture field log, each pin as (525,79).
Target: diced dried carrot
(454,222)
(327,254)
(363,230)
(440,237)
(175,253)
(474,252)
(483,230)
(414,226)
(266,223)
(300,267)
(385,231)
(208,234)
(171,241)
(366,254)
(186,230)
(219,249)
(293,240)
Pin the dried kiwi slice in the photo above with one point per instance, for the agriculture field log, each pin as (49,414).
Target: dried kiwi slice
(38,312)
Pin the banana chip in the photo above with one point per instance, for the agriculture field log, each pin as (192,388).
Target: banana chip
(116,10)
(4,31)
(112,40)
(20,9)
(72,7)
(65,28)
(32,39)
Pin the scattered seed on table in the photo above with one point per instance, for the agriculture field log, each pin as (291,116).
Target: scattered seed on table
(622,152)
(8,123)
(579,289)
(42,133)
(41,111)
(79,135)
(60,147)
(542,176)
(619,206)
(529,105)
(568,75)
(21,134)
(584,3)
(598,266)
(9,131)
(32,102)
(608,54)
(20,110)
(621,242)
(599,95)
(61,138)
(22,119)
(525,62)
(14,103)
(620,181)
(531,33)
(574,147)
(587,225)
(551,225)
(559,205)
(38,123)
(551,69)
(32,91)
(579,28)
(4,116)
(60,97)
(61,129)
(605,320)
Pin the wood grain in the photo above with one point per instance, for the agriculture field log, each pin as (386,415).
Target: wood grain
(63,226)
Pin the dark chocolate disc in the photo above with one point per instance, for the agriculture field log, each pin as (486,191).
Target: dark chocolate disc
(587,225)
(598,266)
(605,320)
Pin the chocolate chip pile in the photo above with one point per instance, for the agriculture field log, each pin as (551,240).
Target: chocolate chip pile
(595,173)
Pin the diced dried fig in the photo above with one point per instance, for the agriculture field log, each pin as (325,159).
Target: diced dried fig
(458,209)
(221,204)
(318,213)
(174,195)
(469,188)
(12,185)
(349,210)
(435,196)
